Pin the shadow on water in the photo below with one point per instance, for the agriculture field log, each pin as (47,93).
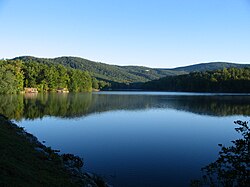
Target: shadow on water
(32,106)
(232,168)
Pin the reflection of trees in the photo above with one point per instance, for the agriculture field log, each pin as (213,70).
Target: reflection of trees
(12,106)
(61,105)
(106,102)
(214,105)
(203,105)
(232,168)
(31,106)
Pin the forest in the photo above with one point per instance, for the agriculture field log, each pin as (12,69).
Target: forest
(226,80)
(16,75)
(48,76)
(106,72)
(120,76)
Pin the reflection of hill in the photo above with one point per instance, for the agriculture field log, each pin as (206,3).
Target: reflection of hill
(203,105)
(214,105)
(76,105)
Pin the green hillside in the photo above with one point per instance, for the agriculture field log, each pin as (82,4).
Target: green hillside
(227,80)
(211,66)
(106,72)
(128,74)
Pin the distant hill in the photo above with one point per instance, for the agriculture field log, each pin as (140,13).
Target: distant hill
(128,74)
(211,66)
(106,72)
(231,80)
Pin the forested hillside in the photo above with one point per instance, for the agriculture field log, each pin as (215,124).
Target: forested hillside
(226,80)
(15,75)
(128,74)
(106,72)
(78,74)
(211,66)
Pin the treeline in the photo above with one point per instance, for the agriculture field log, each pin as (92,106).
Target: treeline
(227,80)
(106,72)
(15,75)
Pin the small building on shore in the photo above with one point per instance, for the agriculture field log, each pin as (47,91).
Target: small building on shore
(62,90)
(30,90)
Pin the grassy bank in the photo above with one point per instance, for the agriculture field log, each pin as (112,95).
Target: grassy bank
(26,162)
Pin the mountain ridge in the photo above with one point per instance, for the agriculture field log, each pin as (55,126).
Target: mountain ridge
(106,72)
(210,66)
(131,73)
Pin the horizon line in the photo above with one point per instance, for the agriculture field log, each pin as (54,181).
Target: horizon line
(138,65)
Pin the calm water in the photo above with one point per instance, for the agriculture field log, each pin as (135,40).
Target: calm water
(133,138)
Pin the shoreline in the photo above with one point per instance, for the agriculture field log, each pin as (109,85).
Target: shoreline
(26,161)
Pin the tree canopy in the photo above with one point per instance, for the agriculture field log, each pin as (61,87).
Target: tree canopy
(71,73)
(15,75)
(225,80)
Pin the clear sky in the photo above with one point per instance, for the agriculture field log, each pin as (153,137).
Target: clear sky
(155,33)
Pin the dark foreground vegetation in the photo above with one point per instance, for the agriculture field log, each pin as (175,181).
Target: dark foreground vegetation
(24,161)
(232,168)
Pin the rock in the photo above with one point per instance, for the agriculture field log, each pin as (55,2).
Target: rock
(90,175)
(40,150)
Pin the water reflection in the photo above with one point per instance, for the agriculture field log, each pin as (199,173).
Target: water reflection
(32,106)
(134,139)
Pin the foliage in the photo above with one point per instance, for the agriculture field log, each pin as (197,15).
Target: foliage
(212,66)
(226,80)
(127,74)
(106,72)
(49,77)
(71,72)
(15,75)
(232,168)
(11,77)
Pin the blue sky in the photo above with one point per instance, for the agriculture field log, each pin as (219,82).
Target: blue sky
(155,33)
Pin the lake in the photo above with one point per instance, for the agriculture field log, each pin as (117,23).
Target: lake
(133,138)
